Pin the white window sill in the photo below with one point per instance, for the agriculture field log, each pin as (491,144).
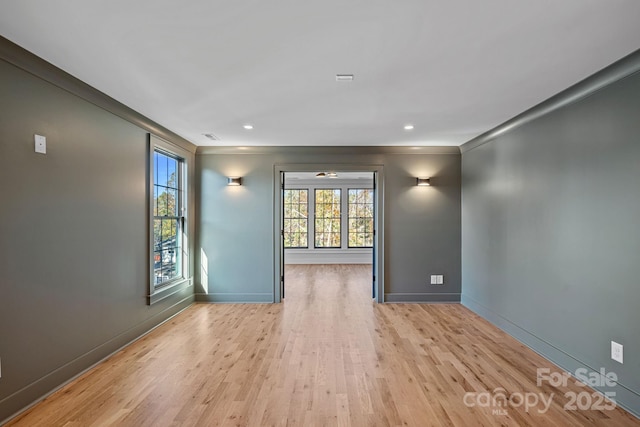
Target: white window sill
(168,290)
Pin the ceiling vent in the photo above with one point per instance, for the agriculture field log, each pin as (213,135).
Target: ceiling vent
(344,77)
(211,136)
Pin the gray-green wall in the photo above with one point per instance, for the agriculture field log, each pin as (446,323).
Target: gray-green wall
(74,266)
(235,225)
(551,230)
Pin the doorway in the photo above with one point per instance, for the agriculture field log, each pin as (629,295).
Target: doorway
(315,209)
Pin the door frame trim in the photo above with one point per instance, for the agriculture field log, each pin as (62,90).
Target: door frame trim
(378,241)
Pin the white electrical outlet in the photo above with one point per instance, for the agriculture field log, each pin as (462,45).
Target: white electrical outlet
(41,144)
(616,351)
(437,279)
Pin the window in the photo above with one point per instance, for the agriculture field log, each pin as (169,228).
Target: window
(360,218)
(168,219)
(327,223)
(296,208)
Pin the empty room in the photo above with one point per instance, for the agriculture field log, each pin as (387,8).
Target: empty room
(416,213)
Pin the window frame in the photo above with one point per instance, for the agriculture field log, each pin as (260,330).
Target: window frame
(349,217)
(284,218)
(315,218)
(183,280)
(179,217)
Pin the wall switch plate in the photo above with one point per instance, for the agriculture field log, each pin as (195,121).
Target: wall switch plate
(434,279)
(616,351)
(41,144)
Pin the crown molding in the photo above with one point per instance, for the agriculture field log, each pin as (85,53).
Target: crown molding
(619,70)
(324,149)
(38,67)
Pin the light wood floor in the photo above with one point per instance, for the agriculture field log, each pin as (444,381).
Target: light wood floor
(327,356)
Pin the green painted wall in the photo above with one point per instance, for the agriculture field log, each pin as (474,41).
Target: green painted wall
(73,238)
(235,224)
(551,235)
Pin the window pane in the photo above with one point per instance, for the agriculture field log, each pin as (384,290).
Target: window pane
(161,167)
(295,218)
(162,201)
(167,223)
(172,172)
(360,218)
(172,202)
(157,228)
(327,206)
(155,167)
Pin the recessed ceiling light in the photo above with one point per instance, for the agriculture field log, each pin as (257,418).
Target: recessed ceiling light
(248,127)
(332,175)
(321,175)
(344,77)
(408,127)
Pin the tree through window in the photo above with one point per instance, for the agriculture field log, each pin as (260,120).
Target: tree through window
(168,219)
(360,218)
(296,207)
(327,220)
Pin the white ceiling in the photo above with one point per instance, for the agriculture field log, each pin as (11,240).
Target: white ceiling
(453,69)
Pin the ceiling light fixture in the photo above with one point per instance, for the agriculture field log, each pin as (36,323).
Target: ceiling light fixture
(326,175)
(408,127)
(344,77)
(248,127)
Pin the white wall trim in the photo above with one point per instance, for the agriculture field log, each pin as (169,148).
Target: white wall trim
(344,185)
(278,184)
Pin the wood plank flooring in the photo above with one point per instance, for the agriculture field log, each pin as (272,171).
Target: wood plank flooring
(327,356)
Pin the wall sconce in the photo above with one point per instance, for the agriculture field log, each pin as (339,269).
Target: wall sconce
(234,180)
(423,182)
